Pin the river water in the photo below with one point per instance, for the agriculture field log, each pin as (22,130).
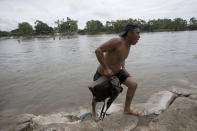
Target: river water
(43,75)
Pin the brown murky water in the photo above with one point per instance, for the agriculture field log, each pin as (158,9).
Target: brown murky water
(43,75)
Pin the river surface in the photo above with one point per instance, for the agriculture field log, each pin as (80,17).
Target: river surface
(43,75)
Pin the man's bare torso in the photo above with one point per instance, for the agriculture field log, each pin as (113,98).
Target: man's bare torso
(115,58)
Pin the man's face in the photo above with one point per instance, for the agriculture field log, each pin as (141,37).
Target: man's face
(134,35)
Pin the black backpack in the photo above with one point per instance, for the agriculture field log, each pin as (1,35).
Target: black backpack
(104,88)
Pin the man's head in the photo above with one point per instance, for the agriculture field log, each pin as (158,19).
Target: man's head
(128,27)
(132,32)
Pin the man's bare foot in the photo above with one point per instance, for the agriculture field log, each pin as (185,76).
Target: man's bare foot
(96,119)
(132,112)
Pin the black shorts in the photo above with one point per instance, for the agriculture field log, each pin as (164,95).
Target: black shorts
(122,75)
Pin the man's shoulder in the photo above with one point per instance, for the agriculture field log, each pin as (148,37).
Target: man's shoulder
(116,40)
(112,43)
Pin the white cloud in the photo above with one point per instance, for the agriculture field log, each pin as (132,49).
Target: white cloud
(14,11)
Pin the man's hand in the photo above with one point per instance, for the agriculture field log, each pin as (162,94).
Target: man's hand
(108,72)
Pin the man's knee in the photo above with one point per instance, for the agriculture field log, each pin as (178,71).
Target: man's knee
(133,85)
(130,83)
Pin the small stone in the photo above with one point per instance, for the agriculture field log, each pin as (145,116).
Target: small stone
(23,127)
(24,118)
(182,91)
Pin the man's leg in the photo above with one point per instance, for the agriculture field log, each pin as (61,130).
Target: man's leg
(94,109)
(97,75)
(132,85)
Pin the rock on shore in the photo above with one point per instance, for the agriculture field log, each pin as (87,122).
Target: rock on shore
(181,116)
(156,103)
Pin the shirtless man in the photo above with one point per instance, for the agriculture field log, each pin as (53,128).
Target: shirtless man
(111,56)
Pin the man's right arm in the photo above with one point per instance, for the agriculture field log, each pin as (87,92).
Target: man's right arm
(107,46)
(100,57)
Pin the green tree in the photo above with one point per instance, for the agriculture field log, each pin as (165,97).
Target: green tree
(193,24)
(42,28)
(68,27)
(25,28)
(119,25)
(193,21)
(4,33)
(179,24)
(57,29)
(108,26)
(94,26)
(15,32)
(141,23)
(166,25)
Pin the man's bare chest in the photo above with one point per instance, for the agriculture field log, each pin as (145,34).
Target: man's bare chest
(122,53)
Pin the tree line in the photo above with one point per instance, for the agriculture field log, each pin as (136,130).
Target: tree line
(70,27)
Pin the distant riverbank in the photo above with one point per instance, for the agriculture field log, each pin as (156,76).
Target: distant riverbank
(74,34)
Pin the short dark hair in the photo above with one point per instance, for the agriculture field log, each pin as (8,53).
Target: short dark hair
(128,27)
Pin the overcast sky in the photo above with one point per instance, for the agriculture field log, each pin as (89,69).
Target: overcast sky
(13,12)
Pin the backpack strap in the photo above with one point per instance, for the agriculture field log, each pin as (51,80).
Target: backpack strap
(102,115)
(109,102)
